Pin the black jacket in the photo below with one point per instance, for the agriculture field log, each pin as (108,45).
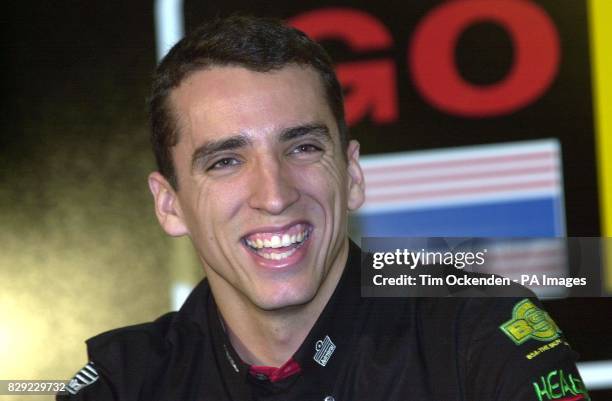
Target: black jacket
(439,349)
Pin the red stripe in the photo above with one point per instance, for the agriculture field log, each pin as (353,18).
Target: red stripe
(573,398)
(544,184)
(289,368)
(459,177)
(461,162)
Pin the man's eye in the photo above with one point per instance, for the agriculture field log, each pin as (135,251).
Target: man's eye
(306,148)
(224,163)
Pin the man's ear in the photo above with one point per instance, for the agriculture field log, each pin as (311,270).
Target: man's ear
(356,183)
(167,207)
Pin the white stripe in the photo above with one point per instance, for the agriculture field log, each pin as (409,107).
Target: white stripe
(386,163)
(460,153)
(85,380)
(90,368)
(88,374)
(410,172)
(169,26)
(458,184)
(597,374)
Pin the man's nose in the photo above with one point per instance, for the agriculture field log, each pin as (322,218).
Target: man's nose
(273,189)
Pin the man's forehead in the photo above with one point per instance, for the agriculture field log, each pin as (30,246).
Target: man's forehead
(226,101)
(217,83)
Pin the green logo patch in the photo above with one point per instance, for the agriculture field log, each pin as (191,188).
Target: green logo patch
(529,321)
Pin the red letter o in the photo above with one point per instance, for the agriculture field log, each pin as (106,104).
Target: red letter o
(536,52)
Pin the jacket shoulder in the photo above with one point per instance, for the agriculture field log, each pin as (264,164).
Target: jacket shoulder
(118,362)
(132,339)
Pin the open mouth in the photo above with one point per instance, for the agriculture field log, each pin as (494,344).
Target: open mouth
(278,245)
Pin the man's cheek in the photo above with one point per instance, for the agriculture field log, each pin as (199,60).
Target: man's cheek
(320,178)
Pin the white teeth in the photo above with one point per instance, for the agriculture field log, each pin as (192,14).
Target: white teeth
(275,242)
(278,256)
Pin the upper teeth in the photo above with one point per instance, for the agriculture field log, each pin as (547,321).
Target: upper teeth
(277,241)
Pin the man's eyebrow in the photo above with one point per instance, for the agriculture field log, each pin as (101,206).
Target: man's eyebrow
(206,150)
(320,131)
(203,152)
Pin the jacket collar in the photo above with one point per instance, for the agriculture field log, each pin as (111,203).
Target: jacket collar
(322,352)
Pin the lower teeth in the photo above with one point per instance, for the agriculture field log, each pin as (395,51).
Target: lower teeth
(277,256)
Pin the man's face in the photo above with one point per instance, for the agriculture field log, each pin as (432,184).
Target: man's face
(263,186)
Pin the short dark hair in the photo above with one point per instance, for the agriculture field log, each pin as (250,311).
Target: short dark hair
(258,44)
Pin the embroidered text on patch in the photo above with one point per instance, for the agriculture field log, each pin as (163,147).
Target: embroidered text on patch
(325,348)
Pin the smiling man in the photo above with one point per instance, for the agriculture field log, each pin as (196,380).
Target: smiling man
(263,188)
(255,166)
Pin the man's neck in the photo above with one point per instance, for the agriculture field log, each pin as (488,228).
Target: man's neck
(270,338)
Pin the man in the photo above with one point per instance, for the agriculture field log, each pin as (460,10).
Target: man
(255,166)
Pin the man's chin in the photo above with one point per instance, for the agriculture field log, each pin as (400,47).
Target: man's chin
(286,302)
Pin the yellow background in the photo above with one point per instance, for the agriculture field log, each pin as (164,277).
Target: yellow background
(600,17)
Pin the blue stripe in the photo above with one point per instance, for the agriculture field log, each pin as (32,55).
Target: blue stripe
(528,218)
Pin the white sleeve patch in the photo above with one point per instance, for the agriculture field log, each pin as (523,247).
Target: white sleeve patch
(83,378)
